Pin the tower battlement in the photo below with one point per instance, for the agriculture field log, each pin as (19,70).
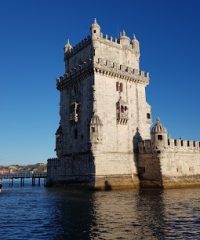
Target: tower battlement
(122,50)
(105,67)
(78,47)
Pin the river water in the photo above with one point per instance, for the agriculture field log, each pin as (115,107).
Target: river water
(38,213)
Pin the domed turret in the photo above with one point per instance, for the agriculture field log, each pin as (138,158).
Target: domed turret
(158,127)
(159,135)
(68,47)
(95,29)
(124,40)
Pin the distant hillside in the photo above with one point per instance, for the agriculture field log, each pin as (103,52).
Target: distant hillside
(36,168)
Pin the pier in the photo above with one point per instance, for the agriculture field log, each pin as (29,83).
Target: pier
(36,178)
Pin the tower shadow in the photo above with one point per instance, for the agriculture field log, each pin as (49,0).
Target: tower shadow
(136,139)
(147,162)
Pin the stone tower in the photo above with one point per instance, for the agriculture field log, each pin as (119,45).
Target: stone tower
(103,108)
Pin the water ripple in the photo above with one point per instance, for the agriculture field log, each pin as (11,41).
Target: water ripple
(36,213)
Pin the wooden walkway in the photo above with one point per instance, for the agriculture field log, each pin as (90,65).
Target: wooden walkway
(36,177)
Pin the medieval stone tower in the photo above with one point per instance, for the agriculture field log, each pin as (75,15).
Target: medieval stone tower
(103,112)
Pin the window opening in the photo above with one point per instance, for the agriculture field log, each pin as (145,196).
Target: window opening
(160,137)
(148,116)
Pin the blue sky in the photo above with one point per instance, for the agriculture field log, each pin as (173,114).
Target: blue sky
(32,37)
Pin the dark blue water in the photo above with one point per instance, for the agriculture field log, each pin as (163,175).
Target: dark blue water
(37,213)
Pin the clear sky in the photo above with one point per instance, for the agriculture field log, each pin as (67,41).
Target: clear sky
(32,37)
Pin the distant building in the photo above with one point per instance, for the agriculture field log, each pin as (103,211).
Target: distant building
(4,171)
(104,138)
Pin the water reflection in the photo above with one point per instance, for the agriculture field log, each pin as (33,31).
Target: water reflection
(51,214)
(146,214)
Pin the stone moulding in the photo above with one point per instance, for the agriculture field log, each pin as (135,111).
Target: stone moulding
(117,73)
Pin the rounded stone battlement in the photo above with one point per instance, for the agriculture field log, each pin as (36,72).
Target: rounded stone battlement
(82,44)
(173,145)
(53,161)
(182,145)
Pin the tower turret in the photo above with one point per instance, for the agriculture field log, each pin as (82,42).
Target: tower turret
(158,136)
(124,40)
(95,29)
(68,47)
(136,47)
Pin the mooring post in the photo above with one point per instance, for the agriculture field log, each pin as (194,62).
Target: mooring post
(39,181)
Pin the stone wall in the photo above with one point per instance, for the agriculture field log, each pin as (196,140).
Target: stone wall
(178,164)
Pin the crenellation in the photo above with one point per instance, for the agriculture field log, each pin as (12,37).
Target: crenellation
(78,47)
(122,69)
(145,146)
(183,145)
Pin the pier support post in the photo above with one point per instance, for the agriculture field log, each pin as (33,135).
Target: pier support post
(22,182)
(45,181)
(11,182)
(33,181)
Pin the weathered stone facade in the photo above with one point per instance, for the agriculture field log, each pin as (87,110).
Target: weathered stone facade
(104,115)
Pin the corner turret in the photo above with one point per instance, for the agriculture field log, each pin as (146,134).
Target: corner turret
(124,40)
(136,47)
(158,136)
(67,50)
(95,29)
(68,47)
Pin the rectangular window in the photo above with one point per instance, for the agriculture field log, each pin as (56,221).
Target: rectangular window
(121,87)
(117,86)
(148,116)
(160,137)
